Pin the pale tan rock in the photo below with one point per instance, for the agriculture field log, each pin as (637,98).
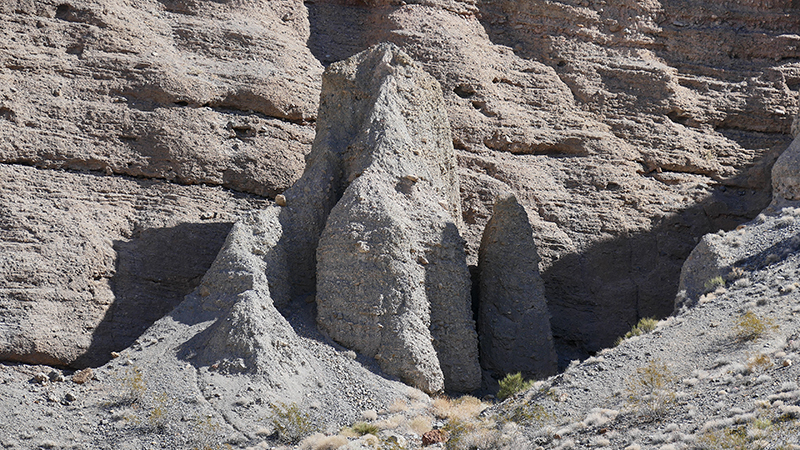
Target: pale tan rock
(392,278)
(83,376)
(625,139)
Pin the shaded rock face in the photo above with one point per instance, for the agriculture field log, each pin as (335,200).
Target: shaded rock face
(786,175)
(392,279)
(721,258)
(513,320)
(88,262)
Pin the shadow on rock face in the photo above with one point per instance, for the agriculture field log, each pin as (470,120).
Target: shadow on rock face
(155,270)
(599,294)
(340,29)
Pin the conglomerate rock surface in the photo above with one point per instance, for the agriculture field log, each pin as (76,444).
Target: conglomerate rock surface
(627,129)
(392,276)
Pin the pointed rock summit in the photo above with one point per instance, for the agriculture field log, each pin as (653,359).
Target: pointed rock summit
(392,279)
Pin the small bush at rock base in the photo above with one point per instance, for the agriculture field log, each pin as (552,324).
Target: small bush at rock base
(290,423)
(644,326)
(511,384)
(650,392)
(713,283)
(750,326)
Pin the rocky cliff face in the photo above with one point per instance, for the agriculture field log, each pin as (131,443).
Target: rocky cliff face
(627,129)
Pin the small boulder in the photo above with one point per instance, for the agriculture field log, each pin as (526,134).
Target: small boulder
(785,174)
(83,376)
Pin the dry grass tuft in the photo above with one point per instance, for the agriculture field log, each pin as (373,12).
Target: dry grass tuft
(421,424)
(319,441)
(464,408)
(399,405)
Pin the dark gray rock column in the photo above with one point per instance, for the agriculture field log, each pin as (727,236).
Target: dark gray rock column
(513,321)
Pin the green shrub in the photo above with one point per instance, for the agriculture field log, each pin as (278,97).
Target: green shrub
(644,326)
(713,283)
(290,423)
(750,326)
(511,384)
(362,428)
(527,414)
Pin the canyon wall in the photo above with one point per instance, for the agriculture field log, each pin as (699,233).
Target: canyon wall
(627,130)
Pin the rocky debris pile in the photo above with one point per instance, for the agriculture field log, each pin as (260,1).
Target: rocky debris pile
(513,319)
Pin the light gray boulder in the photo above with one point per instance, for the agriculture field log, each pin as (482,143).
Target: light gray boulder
(786,174)
(392,280)
(513,321)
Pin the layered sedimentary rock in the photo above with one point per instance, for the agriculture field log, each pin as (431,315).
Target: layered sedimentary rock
(513,320)
(88,262)
(392,278)
(627,129)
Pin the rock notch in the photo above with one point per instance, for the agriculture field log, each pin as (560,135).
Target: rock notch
(392,279)
(513,321)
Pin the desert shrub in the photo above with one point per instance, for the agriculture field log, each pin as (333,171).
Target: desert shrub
(760,362)
(511,384)
(651,391)
(750,326)
(290,423)
(362,428)
(207,435)
(134,386)
(159,416)
(463,408)
(714,283)
(644,326)
(527,414)
(726,438)
(420,424)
